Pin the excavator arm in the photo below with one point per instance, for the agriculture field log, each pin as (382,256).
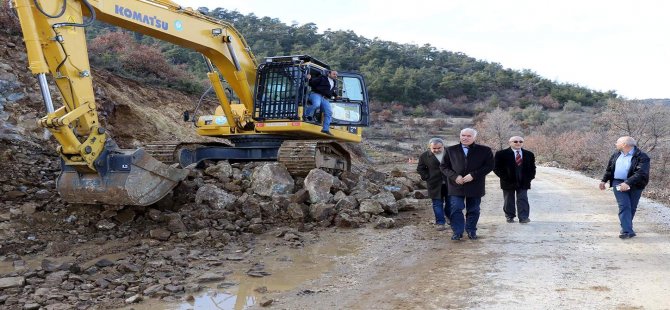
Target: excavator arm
(95,169)
(267,123)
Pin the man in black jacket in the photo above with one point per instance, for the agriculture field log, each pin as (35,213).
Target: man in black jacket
(466,165)
(323,88)
(515,167)
(429,170)
(628,174)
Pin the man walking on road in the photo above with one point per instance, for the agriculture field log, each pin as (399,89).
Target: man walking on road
(515,167)
(628,174)
(429,170)
(466,165)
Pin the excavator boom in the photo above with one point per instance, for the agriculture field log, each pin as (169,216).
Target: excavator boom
(95,169)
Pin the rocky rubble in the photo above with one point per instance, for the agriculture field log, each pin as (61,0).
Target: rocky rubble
(168,250)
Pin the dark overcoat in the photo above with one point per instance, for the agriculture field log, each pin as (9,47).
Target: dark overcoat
(638,174)
(321,85)
(505,169)
(429,170)
(478,163)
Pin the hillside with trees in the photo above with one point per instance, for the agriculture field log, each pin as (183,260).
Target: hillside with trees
(418,78)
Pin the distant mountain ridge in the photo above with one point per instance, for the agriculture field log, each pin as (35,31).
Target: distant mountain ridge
(665,102)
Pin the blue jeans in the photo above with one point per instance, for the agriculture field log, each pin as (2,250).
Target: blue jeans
(440,205)
(471,205)
(320,101)
(438,209)
(627,202)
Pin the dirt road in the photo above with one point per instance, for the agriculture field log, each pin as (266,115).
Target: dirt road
(568,257)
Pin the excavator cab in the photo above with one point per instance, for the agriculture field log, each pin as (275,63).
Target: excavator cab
(282,92)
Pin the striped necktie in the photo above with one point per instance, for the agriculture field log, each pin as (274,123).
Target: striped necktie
(518,159)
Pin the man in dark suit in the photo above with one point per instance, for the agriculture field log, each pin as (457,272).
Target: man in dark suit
(515,167)
(628,173)
(429,170)
(466,165)
(323,88)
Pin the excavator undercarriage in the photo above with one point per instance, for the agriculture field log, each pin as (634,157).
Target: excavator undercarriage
(299,156)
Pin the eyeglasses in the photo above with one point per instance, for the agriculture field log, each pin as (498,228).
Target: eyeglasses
(517,141)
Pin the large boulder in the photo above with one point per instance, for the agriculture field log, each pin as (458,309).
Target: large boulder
(388,202)
(251,210)
(321,212)
(371,206)
(346,220)
(414,177)
(222,171)
(318,184)
(403,182)
(375,176)
(300,196)
(349,178)
(296,211)
(347,203)
(214,197)
(408,204)
(272,179)
(384,222)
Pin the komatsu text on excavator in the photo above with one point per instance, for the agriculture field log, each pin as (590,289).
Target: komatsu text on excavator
(265,123)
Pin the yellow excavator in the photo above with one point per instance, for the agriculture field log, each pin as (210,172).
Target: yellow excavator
(266,122)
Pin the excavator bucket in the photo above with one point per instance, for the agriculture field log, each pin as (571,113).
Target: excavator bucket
(124,177)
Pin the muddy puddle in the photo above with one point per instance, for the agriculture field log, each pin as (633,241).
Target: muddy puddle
(286,268)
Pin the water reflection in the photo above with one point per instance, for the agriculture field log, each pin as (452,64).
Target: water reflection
(218,300)
(288,268)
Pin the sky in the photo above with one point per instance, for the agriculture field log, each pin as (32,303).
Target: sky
(603,45)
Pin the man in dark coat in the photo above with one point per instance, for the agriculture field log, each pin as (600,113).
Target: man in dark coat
(628,174)
(323,88)
(429,170)
(466,165)
(515,167)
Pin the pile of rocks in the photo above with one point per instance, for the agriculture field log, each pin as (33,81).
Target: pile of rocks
(168,248)
(255,195)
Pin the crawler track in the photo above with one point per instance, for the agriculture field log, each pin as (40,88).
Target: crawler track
(301,156)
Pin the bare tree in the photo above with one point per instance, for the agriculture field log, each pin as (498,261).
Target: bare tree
(648,123)
(496,128)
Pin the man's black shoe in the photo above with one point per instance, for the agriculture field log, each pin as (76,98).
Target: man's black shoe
(524,221)
(327,132)
(627,235)
(456,237)
(510,220)
(472,235)
(308,119)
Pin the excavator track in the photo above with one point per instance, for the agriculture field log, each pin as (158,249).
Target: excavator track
(300,156)
(163,151)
